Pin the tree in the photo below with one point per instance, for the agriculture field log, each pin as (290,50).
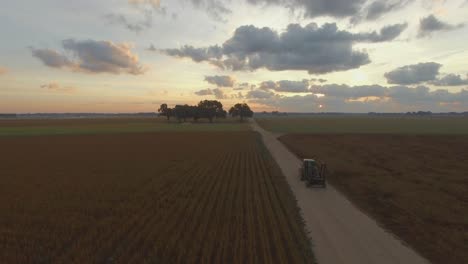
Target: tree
(241,110)
(210,109)
(182,112)
(165,111)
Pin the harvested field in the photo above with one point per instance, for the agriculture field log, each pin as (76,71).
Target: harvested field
(363,124)
(414,185)
(146,198)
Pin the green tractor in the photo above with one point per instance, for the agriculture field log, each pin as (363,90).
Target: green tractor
(313,173)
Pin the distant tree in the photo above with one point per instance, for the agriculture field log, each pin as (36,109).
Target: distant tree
(241,110)
(182,112)
(210,109)
(221,114)
(165,111)
(194,113)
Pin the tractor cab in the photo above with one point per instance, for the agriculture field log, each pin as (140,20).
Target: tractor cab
(313,173)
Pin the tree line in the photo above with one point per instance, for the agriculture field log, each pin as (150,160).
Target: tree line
(209,109)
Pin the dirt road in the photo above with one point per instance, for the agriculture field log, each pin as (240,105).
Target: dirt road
(340,232)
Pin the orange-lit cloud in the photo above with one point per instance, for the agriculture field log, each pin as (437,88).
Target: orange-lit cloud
(90,56)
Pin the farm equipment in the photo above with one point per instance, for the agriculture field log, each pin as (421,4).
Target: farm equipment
(313,173)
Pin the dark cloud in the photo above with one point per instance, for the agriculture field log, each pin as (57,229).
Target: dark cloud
(430,24)
(92,56)
(268,85)
(315,8)
(204,92)
(55,87)
(211,54)
(387,33)
(377,9)
(414,74)
(260,94)
(221,81)
(311,48)
(451,80)
(286,86)
(52,58)
(293,86)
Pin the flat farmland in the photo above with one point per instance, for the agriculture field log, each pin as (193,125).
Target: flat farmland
(414,185)
(363,124)
(84,126)
(146,198)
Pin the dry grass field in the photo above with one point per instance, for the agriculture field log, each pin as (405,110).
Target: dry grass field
(414,185)
(146,198)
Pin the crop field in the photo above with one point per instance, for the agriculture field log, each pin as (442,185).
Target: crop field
(34,127)
(165,197)
(365,124)
(414,185)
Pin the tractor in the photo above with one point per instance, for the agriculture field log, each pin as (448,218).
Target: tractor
(313,173)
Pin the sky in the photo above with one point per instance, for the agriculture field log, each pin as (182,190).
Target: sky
(276,55)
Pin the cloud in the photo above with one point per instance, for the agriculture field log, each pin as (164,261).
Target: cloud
(387,33)
(152,48)
(52,58)
(318,80)
(221,81)
(3,70)
(293,86)
(216,9)
(315,8)
(153,3)
(242,86)
(90,56)
(268,85)
(55,87)
(136,27)
(451,80)
(212,53)
(311,48)
(414,74)
(204,92)
(367,98)
(218,93)
(145,8)
(377,9)
(430,24)
(260,94)
(350,92)
(239,95)
(286,86)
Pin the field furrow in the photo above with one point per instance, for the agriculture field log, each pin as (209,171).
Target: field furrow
(146,198)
